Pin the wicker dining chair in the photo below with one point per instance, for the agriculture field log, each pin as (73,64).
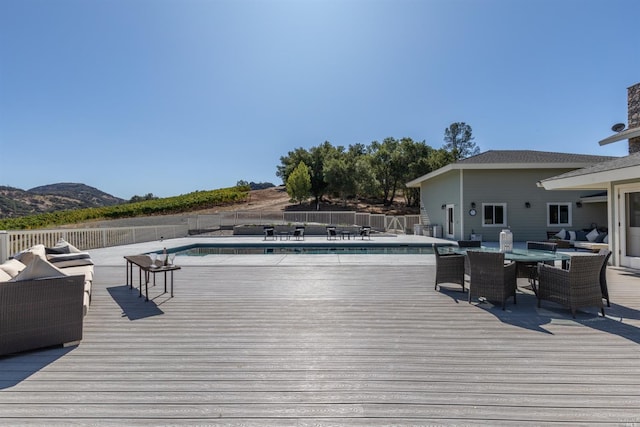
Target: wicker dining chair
(603,275)
(577,287)
(491,278)
(449,268)
(468,244)
(529,270)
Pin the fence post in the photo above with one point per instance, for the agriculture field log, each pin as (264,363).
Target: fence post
(4,245)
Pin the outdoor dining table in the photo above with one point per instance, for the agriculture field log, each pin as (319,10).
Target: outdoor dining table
(525,259)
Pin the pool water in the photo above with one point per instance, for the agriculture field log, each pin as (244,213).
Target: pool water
(301,248)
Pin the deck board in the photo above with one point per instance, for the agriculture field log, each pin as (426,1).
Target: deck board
(330,345)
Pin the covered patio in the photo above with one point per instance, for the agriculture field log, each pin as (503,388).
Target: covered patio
(349,340)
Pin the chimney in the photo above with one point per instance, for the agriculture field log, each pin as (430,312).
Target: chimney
(633,121)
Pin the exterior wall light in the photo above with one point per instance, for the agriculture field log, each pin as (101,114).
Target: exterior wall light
(527,205)
(578,204)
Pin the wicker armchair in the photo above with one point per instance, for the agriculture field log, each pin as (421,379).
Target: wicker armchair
(603,275)
(574,288)
(468,244)
(529,270)
(449,268)
(543,246)
(491,278)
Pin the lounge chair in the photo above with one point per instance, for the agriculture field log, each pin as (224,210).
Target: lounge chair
(298,233)
(449,268)
(574,288)
(332,233)
(365,231)
(269,233)
(491,278)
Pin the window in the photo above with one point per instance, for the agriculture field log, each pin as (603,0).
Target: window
(494,214)
(558,214)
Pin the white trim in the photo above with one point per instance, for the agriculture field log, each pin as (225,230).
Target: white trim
(449,219)
(570,214)
(462,207)
(592,181)
(504,208)
(492,166)
(621,229)
(625,134)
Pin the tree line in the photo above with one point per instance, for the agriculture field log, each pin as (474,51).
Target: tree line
(378,170)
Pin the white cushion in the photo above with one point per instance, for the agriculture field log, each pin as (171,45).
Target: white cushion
(606,239)
(572,236)
(12,267)
(38,269)
(4,276)
(593,235)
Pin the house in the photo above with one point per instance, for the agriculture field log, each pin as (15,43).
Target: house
(484,194)
(620,178)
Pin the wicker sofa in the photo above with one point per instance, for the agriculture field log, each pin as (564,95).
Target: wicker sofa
(593,240)
(40,313)
(44,295)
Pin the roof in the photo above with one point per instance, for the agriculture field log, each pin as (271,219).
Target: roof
(517,159)
(531,156)
(597,176)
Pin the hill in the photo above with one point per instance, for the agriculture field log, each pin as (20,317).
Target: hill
(15,202)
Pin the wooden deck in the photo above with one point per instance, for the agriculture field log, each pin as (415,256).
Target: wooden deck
(330,345)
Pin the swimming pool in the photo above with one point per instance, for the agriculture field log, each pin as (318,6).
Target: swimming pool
(289,248)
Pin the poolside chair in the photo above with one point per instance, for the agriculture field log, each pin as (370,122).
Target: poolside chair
(365,231)
(449,268)
(491,279)
(603,274)
(332,233)
(577,287)
(269,233)
(298,233)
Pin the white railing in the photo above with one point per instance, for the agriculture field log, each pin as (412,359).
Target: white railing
(12,242)
(104,235)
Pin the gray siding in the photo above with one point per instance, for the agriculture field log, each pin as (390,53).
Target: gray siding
(443,190)
(513,187)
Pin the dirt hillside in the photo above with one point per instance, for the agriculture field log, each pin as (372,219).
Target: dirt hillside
(277,199)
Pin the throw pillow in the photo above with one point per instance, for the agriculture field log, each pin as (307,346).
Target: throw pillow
(601,237)
(562,234)
(606,239)
(57,250)
(27,256)
(593,234)
(581,236)
(64,244)
(12,267)
(572,236)
(38,269)
(4,276)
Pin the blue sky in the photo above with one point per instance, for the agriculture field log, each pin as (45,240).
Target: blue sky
(173,96)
